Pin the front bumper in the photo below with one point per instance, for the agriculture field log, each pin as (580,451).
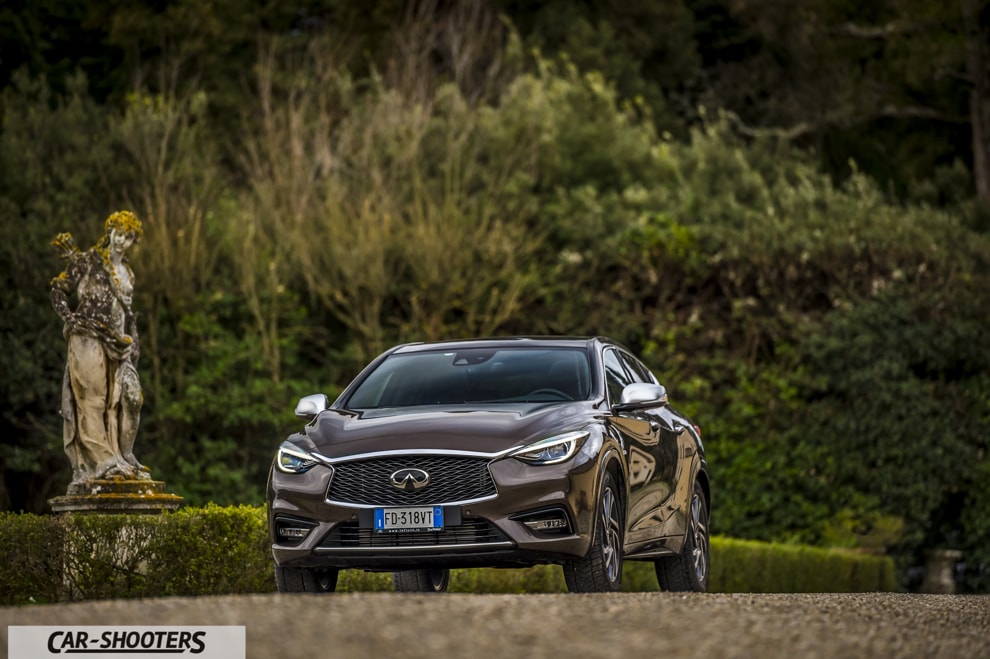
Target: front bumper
(519,526)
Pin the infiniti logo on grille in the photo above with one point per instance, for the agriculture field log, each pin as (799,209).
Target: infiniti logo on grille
(409,480)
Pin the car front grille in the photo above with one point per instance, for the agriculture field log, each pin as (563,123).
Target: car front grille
(472,532)
(453,478)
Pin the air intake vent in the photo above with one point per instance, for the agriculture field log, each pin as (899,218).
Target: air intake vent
(471,532)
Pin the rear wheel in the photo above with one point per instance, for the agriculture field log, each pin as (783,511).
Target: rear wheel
(601,570)
(688,571)
(305,580)
(421,581)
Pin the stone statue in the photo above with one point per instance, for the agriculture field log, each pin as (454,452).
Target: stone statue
(101,393)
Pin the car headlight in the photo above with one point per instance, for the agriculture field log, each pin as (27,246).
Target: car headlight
(293,460)
(552,449)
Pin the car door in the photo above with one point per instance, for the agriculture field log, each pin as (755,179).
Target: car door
(678,449)
(641,434)
(655,457)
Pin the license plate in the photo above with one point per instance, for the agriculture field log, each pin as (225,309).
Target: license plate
(397,520)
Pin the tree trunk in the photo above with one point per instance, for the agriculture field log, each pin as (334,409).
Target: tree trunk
(977,30)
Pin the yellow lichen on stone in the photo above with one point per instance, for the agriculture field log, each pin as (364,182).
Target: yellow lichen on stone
(65,244)
(124,221)
(104,253)
(61,278)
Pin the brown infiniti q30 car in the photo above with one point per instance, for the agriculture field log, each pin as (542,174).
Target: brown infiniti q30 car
(492,453)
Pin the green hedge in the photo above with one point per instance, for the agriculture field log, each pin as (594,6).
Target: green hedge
(215,550)
(193,551)
(743,566)
(738,566)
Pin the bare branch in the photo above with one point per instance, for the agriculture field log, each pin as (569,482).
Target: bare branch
(803,128)
(915,112)
(878,31)
(787,134)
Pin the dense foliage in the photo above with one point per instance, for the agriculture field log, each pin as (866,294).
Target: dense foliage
(317,183)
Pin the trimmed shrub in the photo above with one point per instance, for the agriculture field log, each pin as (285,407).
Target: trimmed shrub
(193,551)
(215,550)
(31,550)
(743,566)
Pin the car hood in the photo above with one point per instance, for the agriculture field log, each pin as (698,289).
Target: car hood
(338,434)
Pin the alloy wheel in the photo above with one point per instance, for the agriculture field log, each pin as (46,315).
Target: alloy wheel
(611,524)
(699,552)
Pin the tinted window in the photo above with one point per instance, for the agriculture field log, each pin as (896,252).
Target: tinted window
(616,377)
(639,372)
(452,377)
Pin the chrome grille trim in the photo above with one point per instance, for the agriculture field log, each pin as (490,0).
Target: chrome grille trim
(454,479)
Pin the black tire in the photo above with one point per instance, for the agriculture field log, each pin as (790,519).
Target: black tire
(601,570)
(688,571)
(421,581)
(305,580)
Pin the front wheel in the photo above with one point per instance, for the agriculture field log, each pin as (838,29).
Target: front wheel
(601,570)
(305,580)
(688,571)
(421,581)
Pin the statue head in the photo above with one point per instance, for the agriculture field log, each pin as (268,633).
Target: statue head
(121,230)
(123,222)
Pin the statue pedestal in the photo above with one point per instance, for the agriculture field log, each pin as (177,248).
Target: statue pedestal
(939,571)
(116,496)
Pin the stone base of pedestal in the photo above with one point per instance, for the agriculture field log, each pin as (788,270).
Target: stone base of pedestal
(940,571)
(116,496)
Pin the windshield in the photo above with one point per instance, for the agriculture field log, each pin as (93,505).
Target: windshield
(477,375)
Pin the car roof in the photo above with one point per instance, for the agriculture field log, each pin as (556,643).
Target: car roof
(504,342)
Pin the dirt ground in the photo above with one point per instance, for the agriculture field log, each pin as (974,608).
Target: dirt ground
(627,625)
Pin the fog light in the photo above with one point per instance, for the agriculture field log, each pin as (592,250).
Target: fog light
(546,524)
(292,532)
(552,522)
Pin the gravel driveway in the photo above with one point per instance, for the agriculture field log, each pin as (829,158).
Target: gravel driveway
(627,625)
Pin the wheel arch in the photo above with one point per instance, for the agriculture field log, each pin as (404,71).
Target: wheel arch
(704,480)
(613,465)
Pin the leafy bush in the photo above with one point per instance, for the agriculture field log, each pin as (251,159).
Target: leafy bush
(741,566)
(193,551)
(214,550)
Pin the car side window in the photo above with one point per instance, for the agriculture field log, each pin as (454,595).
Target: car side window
(616,376)
(639,372)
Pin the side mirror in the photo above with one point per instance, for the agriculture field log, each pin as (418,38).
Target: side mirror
(310,406)
(641,396)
